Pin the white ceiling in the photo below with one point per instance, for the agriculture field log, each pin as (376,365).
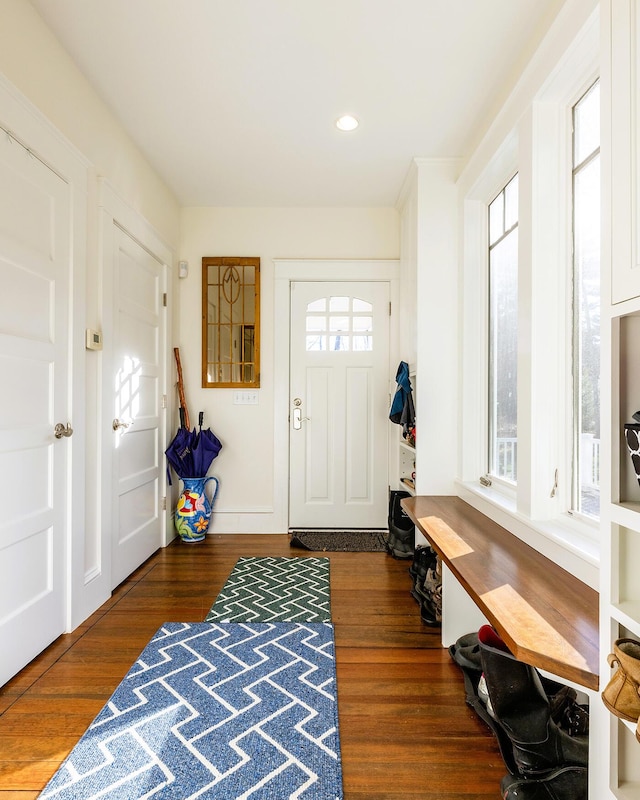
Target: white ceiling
(234,101)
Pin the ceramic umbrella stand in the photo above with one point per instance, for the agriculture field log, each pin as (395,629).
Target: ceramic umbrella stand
(194,508)
(190,454)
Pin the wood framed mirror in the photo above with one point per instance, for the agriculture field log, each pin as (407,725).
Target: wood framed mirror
(230,322)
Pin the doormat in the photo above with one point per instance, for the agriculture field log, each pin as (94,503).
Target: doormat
(219,711)
(356,541)
(274,589)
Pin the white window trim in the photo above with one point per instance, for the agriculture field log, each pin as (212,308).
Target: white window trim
(539,149)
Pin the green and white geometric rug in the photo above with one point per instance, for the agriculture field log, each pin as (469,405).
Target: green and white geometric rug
(274,589)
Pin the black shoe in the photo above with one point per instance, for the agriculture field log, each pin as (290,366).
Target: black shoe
(429,614)
(566,783)
(422,559)
(521,706)
(402,548)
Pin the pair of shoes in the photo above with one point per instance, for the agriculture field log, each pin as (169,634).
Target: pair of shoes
(400,543)
(562,783)
(426,571)
(402,533)
(566,783)
(466,653)
(424,559)
(622,694)
(544,759)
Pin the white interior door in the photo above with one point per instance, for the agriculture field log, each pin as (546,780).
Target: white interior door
(138,358)
(35,264)
(339,404)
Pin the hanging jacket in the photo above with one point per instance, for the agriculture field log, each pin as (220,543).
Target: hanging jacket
(402,409)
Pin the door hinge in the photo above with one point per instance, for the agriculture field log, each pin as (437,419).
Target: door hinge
(389,307)
(164,503)
(164,401)
(164,299)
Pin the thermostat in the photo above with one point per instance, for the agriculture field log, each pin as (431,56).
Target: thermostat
(93,340)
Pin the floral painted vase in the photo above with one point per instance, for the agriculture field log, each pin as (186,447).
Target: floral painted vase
(194,508)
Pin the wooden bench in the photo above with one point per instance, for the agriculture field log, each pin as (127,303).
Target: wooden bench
(546,616)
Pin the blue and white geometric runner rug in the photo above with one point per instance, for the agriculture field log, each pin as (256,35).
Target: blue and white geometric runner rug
(274,589)
(236,710)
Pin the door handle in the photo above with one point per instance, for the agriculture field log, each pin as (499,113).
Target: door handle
(61,430)
(298,418)
(118,423)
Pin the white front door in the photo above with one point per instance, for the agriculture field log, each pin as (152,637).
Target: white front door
(35,264)
(137,380)
(339,404)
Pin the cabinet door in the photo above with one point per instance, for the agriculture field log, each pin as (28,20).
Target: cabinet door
(625,150)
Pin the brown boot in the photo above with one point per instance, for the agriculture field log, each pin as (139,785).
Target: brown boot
(622,694)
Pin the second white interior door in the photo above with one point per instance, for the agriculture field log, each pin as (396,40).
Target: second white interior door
(137,414)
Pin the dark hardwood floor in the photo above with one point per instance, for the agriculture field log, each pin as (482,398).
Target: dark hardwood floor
(405,730)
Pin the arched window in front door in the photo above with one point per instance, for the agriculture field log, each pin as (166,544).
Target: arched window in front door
(339,324)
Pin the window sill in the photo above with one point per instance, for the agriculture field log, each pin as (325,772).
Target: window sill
(570,542)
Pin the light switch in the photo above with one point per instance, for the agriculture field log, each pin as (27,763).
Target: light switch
(245,398)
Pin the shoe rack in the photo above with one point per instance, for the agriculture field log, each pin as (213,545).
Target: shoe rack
(618,766)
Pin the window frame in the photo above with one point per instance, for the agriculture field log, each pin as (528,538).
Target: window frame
(531,136)
(490,367)
(576,484)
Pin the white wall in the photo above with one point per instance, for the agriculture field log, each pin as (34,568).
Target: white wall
(248,501)
(429,300)
(437,326)
(35,63)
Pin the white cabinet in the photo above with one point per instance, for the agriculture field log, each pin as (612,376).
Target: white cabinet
(619,585)
(625,109)
(618,766)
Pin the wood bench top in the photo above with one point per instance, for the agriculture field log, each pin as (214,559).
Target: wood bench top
(546,616)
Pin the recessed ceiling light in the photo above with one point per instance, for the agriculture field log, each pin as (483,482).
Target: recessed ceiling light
(347,123)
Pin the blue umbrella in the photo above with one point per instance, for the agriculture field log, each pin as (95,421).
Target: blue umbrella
(191,453)
(205,448)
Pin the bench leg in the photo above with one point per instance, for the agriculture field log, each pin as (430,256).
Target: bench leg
(460,615)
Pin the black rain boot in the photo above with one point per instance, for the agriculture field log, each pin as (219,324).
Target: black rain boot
(424,559)
(403,544)
(567,783)
(520,705)
(401,539)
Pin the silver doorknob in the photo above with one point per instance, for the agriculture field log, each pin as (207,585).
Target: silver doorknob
(61,430)
(118,423)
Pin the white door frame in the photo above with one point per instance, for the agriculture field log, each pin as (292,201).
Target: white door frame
(285,272)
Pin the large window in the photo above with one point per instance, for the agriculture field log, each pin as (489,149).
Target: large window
(503,333)
(586,303)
